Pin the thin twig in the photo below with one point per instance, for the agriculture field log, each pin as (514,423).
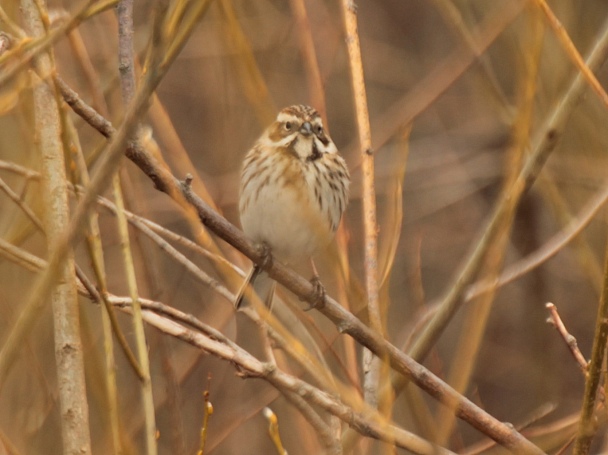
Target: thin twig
(587,426)
(41,44)
(190,266)
(26,172)
(550,248)
(300,286)
(17,200)
(331,443)
(109,321)
(484,446)
(72,233)
(317,397)
(249,75)
(146,226)
(476,316)
(21,257)
(283,381)
(126,68)
(572,52)
(544,146)
(570,341)
(454,18)
(442,77)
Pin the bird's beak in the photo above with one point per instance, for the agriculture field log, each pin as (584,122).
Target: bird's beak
(306,129)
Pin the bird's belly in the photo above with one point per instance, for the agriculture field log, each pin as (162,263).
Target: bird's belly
(285,220)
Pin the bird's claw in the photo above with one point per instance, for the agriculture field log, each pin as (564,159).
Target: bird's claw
(265,254)
(317,296)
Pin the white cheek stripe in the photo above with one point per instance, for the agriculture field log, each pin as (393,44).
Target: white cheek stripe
(282,143)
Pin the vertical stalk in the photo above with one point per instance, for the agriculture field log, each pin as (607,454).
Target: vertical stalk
(126,66)
(66,322)
(95,247)
(371,366)
(587,425)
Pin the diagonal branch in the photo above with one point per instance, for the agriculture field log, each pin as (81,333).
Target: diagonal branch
(345,321)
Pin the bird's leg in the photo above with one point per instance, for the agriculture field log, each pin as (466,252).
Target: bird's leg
(317,297)
(265,253)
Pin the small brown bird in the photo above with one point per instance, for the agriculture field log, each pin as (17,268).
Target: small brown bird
(294,189)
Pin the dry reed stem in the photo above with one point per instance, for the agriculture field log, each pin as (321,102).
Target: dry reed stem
(311,65)
(21,257)
(282,381)
(138,325)
(345,321)
(585,254)
(249,74)
(35,46)
(176,153)
(88,71)
(109,322)
(72,233)
(454,19)
(550,248)
(126,68)
(14,28)
(371,366)
(476,318)
(329,440)
(441,77)
(587,426)
(543,147)
(213,334)
(109,325)
(69,355)
(96,253)
(572,52)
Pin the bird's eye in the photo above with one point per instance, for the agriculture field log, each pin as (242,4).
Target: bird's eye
(318,129)
(288,126)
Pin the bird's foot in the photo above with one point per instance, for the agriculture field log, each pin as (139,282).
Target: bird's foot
(265,254)
(317,296)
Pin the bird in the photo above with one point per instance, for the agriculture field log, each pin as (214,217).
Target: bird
(294,188)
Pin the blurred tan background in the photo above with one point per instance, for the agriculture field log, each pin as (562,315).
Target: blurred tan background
(244,62)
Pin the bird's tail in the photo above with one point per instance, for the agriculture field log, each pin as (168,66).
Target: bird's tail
(259,283)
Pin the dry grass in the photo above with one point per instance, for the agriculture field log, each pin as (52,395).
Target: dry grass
(488,148)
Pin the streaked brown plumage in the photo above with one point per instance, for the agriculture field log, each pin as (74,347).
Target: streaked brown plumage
(294,189)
